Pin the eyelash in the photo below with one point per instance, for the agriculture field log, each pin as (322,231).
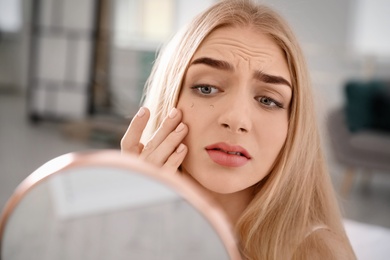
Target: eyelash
(199,87)
(275,105)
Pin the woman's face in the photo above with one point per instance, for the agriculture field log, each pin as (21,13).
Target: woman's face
(235,100)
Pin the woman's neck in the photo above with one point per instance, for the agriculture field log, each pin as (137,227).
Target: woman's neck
(233,204)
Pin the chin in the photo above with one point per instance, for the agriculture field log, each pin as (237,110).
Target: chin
(215,184)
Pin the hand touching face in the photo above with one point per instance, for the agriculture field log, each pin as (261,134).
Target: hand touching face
(164,149)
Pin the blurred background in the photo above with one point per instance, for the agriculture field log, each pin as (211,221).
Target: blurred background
(72,74)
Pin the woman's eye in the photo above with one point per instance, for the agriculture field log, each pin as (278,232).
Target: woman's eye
(269,102)
(206,89)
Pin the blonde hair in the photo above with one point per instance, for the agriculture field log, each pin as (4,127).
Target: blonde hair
(297,195)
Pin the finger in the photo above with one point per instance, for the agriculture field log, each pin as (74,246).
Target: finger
(130,142)
(168,125)
(140,147)
(176,158)
(161,154)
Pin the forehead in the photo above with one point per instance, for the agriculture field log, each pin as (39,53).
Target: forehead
(248,45)
(249,40)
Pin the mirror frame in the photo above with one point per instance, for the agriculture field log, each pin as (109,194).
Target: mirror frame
(115,159)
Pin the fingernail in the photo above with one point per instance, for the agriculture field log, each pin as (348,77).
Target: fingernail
(180,148)
(179,128)
(173,113)
(141,112)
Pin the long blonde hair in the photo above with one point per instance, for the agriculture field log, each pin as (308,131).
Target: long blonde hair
(297,195)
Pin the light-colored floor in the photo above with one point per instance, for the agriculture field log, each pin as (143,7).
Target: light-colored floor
(25,146)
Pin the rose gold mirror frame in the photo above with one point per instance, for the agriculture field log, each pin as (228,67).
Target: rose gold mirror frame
(113,158)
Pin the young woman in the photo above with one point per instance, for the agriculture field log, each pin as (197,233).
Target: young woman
(229,105)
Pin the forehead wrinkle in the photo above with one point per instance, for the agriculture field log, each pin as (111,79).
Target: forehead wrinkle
(240,52)
(244,47)
(261,55)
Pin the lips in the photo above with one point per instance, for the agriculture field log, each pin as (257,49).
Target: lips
(228,155)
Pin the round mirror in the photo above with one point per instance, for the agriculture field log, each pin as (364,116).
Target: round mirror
(104,205)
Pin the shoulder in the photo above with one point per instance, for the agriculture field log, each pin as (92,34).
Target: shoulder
(322,243)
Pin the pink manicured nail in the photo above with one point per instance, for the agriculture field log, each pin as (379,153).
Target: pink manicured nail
(179,128)
(173,113)
(180,148)
(141,112)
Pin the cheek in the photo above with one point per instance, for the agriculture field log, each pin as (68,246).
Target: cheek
(273,134)
(279,132)
(196,113)
(188,110)
(198,118)
(280,136)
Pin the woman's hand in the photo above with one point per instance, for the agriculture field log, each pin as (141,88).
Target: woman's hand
(165,149)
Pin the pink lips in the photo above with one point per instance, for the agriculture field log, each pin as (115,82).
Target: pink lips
(228,155)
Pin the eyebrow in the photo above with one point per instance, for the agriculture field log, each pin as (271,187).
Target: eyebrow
(272,79)
(218,64)
(224,65)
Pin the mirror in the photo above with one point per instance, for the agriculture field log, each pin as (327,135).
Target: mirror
(104,205)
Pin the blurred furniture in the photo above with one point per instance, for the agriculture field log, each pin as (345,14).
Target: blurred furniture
(360,131)
(63,42)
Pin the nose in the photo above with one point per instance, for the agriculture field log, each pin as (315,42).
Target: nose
(235,116)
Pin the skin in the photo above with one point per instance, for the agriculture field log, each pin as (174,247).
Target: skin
(242,101)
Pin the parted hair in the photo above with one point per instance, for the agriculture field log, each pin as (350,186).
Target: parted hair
(294,213)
